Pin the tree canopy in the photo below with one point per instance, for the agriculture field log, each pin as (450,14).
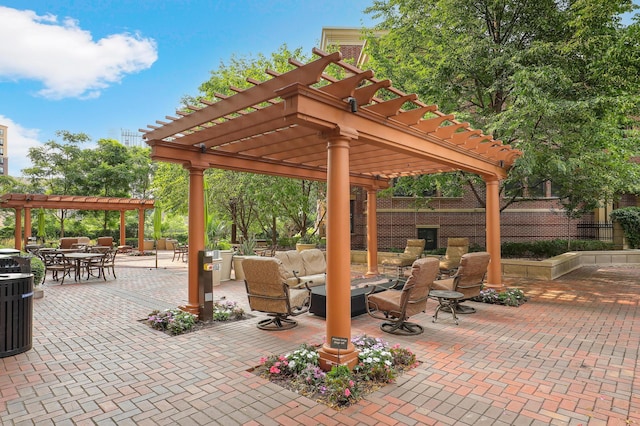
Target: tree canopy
(109,169)
(556,79)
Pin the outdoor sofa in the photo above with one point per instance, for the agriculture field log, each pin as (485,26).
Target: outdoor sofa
(308,266)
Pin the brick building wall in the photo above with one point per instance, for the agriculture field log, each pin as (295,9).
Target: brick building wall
(400,218)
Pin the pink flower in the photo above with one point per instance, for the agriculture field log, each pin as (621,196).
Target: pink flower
(263,360)
(347,392)
(274,370)
(351,383)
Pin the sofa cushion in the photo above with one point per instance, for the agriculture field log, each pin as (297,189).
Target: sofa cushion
(310,266)
(292,262)
(314,280)
(314,262)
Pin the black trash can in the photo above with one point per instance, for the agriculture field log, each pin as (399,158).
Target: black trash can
(16,313)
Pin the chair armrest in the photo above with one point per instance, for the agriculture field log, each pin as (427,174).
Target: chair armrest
(302,285)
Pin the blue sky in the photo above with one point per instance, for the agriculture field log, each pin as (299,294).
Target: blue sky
(103,66)
(99,66)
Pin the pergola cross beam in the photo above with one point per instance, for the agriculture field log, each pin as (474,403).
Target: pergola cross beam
(306,124)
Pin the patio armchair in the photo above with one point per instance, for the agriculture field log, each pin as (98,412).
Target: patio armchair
(67,242)
(180,251)
(105,241)
(396,307)
(456,248)
(57,264)
(468,279)
(268,292)
(102,264)
(412,251)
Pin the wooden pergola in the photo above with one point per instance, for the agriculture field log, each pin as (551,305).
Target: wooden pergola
(356,130)
(27,202)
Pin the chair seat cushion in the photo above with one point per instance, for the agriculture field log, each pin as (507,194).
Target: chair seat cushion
(447,284)
(298,297)
(399,261)
(388,300)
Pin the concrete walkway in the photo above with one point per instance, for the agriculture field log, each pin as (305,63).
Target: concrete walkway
(569,356)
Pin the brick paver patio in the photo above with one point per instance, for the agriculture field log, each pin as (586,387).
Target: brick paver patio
(567,357)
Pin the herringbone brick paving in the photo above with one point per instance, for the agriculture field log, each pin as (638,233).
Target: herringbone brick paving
(567,357)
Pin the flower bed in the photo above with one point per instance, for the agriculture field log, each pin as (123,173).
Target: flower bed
(509,297)
(176,321)
(299,371)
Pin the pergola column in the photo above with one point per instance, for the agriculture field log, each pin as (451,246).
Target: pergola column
(196,235)
(372,232)
(494,272)
(17,235)
(141,230)
(123,237)
(338,349)
(27,224)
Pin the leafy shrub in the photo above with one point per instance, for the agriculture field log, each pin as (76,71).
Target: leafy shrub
(224,245)
(629,219)
(512,297)
(173,321)
(545,249)
(509,297)
(38,270)
(225,310)
(342,389)
(488,295)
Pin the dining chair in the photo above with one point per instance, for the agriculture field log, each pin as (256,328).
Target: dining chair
(57,264)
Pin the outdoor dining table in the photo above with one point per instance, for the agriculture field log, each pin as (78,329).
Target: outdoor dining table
(78,257)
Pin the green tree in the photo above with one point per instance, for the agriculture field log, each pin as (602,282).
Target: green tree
(142,171)
(171,185)
(57,168)
(252,203)
(558,80)
(108,173)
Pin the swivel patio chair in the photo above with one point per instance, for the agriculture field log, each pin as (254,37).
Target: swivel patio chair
(456,248)
(395,307)
(468,280)
(412,251)
(267,290)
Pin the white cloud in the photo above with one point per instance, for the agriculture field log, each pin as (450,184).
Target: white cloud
(19,141)
(65,58)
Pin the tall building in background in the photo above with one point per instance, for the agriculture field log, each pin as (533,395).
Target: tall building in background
(349,41)
(4,157)
(130,138)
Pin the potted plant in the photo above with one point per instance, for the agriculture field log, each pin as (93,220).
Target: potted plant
(226,253)
(306,242)
(246,249)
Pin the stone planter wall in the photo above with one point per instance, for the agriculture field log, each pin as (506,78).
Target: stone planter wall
(548,269)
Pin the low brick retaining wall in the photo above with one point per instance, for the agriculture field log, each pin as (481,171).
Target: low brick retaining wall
(548,269)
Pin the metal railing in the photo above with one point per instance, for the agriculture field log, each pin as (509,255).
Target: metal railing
(595,231)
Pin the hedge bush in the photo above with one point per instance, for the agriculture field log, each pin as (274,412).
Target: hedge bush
(629,219)
(550,248)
